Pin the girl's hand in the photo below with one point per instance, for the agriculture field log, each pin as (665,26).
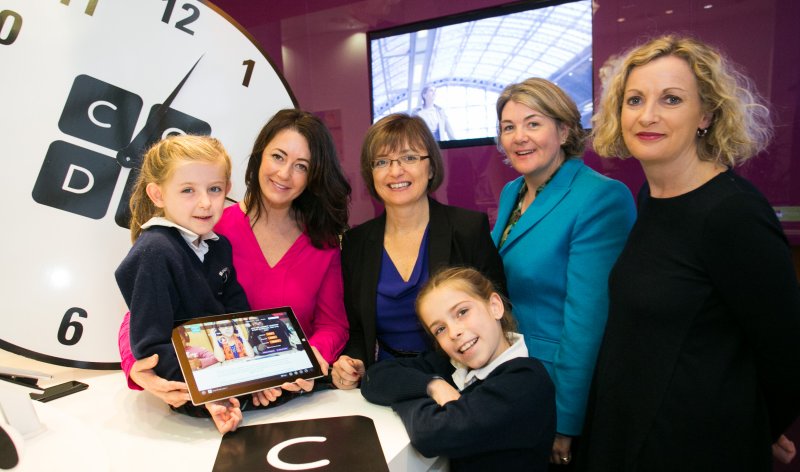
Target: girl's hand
(442,392)
(226,414)
(265,397)
(299,385)
(561,450)
(347,372)
(171,392)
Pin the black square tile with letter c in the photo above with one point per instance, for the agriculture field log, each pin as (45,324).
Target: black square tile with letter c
(344,443)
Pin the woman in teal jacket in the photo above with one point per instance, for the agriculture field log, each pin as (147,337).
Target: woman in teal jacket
(560,227)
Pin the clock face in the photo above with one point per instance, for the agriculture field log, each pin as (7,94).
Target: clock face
(86,85)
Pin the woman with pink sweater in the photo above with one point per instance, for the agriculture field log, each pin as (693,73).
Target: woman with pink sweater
(285,239)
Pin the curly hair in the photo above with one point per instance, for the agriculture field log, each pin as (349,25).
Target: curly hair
(158,165)
(392,133)
(321,210)
(549,99)
(740,125)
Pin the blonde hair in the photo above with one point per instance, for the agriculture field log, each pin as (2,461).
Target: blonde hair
(548,98)
(740,125)
(159,164)
(473,283)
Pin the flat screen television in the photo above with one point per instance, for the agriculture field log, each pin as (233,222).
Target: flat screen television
(451,70)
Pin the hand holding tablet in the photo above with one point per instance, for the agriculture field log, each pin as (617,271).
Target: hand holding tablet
(228,355)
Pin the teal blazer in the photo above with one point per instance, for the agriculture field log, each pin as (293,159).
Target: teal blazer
(557,259)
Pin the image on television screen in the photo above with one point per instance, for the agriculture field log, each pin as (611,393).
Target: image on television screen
(450,71)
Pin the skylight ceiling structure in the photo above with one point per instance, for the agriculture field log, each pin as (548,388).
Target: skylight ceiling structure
(485,54)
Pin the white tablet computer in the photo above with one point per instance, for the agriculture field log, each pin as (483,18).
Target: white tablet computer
(228,355)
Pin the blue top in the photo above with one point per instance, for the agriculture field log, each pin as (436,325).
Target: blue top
(557,259)
(397,324)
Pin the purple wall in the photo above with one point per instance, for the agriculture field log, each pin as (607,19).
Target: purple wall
(761,36)
(320,45)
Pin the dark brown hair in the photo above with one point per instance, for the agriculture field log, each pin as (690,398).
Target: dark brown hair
(322,209)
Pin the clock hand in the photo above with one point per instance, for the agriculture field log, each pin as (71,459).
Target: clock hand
(131,155)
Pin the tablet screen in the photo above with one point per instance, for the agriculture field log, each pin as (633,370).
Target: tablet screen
(228,355)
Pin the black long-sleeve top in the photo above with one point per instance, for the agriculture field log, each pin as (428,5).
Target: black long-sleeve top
(456,237)
(164,283)
(506,421)
(700,364)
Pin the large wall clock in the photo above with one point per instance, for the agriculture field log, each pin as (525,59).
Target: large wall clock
(85,86)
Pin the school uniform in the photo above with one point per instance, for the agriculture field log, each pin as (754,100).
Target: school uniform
(164,282)
(504,419)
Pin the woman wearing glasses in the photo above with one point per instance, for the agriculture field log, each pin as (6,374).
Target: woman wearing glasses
(386,260)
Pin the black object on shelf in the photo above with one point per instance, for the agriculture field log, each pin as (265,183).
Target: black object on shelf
(58,391)
(30,382)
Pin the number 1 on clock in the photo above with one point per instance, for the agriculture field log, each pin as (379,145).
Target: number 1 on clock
(90,6)
(248,73)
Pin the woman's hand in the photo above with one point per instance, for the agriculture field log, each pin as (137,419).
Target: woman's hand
(226,414)
(442,392)
(171,392)
(265,397)
(561,450)
(347,372)
(784,450)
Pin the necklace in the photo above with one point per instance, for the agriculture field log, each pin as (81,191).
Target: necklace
(517,213)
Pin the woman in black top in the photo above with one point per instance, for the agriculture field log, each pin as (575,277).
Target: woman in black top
(700,363)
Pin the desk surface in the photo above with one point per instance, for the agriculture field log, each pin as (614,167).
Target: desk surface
(109,427)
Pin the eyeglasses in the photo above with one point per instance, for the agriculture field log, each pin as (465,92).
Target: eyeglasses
(409,160)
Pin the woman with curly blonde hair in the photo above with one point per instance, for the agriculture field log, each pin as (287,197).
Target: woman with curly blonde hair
(698,369)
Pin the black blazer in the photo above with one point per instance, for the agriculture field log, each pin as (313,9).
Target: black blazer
(456,237)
